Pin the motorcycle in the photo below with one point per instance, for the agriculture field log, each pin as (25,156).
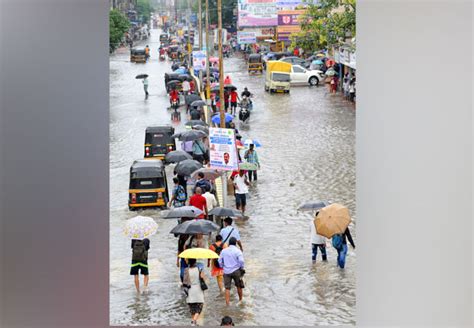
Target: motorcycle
(162,57)
(175,115)
(244,113)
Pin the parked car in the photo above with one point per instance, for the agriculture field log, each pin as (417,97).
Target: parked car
(301,75)
(296,61)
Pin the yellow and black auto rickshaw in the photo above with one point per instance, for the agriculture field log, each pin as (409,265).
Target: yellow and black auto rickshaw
(159,141)
(255,63)
(138,55)
(148,184)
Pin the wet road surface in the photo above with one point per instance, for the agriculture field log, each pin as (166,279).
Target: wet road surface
(308,153)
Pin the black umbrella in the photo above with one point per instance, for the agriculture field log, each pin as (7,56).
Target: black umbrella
(224,211)
(141,76)
(187,167)
(183,77)
(173,83)
(190,135)
(230,87)
(189,99)
(198,103)
(183,212)
(177,156)
(314,205)
(194,227)
(195,122)
(202,128)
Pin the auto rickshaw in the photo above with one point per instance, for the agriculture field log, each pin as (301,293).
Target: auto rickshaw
(255,63)
(138,55)
(164,39)
(148,184)
(173,51)
(158,141)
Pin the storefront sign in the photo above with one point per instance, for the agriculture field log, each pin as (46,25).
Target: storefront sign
(222,150)
(246,37)
(257,13)
(288,23)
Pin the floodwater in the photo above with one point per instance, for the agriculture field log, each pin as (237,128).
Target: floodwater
(308,153)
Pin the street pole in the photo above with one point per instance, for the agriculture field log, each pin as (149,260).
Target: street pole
(189,36)
(208,84)
(200,25)
(221,91)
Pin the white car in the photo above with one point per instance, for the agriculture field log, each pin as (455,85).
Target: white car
(300,75)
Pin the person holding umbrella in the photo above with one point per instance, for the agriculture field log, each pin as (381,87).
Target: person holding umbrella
(178,199)
(145,86)
(195,300)
(339,242)
(317,241)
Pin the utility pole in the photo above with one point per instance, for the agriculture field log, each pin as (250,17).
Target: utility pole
(208,84)
(200,25)
(190,64)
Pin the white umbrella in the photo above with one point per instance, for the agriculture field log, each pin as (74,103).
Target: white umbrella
(140,227)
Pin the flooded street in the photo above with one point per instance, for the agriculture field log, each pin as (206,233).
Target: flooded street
(308,153)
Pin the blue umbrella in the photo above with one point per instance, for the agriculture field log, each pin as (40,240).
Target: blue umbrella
(181,71)
(216,119)
(318,62)
(255,142)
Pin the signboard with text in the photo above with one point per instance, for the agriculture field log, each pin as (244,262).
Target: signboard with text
(199,60)
(246,37)
(288,23)
(222,149)
(257,13)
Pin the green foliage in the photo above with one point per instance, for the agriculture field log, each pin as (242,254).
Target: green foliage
(227,11)
(118,25)
(144,10)
(326,25)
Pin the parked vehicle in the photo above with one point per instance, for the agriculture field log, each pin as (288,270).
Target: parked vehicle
(255,64)
(278,77)
(296,61)
(300,75)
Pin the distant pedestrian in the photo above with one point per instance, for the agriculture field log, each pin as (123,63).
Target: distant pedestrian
(230,231)
(216,270)
(234,97)
(252,157)
(140,261)
(186,87)
(227,321)
(187,146)
(195,299)
(317,241)
(202,183)
(211,202)
(180,262)
(333,84)
(241,189)
(145,86)
(232,260)
(339,242)
(147,52)
(198,200)
(178,198)
(352,89)
(226,100)
(227,80)
(199,151)
(345,87)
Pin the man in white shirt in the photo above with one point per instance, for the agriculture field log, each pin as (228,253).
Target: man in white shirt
(186,87)
(211,202)
(317,241)
(241,189)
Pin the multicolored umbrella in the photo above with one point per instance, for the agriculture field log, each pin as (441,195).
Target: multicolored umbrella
(140,227)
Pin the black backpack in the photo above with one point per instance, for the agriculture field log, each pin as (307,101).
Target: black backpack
(218,250)
(139,254)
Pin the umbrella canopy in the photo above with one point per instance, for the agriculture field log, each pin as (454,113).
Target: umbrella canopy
(330,72)
(209,174)
(332,219)
(198,103)
(227,87)
(190,135)
(198,253)
(140,227)
(195,122)
(181,70)
(183,212)
(318,62)
(141,76)
(173,83)
(189,99)
(187,167)
(248,166)
(183,77)
(177,156)
(314,205)
(201,128)
(224,211)
(254,142)
(214,59)
(194,227)
(216,119)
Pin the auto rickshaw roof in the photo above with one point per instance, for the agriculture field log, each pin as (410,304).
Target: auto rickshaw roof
(147,168)
(157,129)
(255,57)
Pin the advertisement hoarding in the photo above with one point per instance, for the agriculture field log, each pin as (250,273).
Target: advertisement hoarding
(288,23)
(222,149)
(246,37)
(257,13)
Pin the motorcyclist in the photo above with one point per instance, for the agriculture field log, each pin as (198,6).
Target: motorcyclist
(174,96)
(246,93)
(244,112)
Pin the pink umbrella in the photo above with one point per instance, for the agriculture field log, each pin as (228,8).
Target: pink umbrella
(214,59)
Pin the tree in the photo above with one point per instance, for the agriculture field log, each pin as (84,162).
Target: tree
(326,24)
(118,25)
(144,10)
(228,7)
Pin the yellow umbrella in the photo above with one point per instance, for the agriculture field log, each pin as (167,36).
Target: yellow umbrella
(198,253)
(332,219)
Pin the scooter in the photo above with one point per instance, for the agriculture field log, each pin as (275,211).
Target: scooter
(162,57)
(244,114)
(175,115)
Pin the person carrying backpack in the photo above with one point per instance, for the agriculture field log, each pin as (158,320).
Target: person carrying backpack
(178,199)
(140,261)
(216,269)
(339,242)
